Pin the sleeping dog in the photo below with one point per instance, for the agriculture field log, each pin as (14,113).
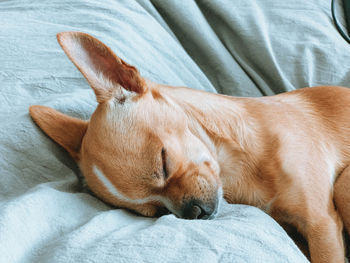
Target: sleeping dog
(150,147)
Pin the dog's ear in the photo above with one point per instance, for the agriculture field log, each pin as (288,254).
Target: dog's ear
(104,71)
(64,130)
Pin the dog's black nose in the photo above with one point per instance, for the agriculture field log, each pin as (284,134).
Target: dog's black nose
(195,209)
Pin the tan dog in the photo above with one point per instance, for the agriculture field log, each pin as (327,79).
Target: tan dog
(149,146)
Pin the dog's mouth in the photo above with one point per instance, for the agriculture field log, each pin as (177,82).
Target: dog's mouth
(162,211)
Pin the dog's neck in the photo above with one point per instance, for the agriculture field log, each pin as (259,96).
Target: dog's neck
(233,136)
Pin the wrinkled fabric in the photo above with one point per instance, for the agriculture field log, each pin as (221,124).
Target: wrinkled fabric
(242,48)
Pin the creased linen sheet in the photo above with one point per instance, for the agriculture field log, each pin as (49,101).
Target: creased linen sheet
(242,48)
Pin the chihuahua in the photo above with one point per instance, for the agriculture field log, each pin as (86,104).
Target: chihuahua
(150,147)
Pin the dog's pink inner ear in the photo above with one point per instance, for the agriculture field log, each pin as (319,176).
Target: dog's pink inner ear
(100,66)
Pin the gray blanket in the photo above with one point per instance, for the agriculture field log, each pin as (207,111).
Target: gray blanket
(241,47)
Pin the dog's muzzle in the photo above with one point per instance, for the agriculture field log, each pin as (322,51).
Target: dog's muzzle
(196,209)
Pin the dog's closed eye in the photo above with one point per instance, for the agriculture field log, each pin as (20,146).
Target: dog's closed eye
(164,163)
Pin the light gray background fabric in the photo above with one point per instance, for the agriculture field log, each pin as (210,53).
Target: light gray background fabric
(241,47)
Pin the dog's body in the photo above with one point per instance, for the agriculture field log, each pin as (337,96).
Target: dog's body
(149,146)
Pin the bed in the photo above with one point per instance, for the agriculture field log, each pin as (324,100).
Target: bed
(241,48)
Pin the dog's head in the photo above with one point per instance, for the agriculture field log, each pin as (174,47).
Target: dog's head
(137,151)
